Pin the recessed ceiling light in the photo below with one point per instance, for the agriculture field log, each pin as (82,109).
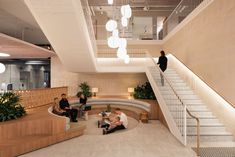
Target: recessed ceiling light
(4,55)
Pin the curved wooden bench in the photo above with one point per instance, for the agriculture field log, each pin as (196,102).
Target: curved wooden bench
(131,107)
(67,120)
(38,129)
(116,101)
(128,110)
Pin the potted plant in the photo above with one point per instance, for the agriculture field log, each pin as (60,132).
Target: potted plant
(85,89)
(10,107)
(144,91)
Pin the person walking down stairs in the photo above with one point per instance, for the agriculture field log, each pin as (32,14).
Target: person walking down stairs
(162,61)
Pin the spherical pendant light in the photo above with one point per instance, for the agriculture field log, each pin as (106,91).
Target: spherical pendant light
(110,2)
(126,11)
(127,59)
(124,21)
(2,68)
(122,42)
(115,33)
(113,42)
(121,52)
(111,25)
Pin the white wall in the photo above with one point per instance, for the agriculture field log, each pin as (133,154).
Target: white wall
(206,46)
(108,83)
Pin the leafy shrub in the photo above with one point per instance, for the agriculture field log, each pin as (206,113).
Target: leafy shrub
(144,91)
(85,89)
(10,107)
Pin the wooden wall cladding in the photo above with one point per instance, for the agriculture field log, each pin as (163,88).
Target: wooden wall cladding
(36,130)
(39,97)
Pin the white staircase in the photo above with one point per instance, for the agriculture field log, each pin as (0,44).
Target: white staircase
(211,129)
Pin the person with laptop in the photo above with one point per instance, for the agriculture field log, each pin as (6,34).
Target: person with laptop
(120,124)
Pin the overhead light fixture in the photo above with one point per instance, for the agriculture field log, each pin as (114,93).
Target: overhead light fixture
(127,59)
(126,11)
(146,8)
(2,68)
(121,52)
(122,42)
(110,2)
(124,21)
(113,42)
(4,55)
(111,25)
(36,62)
(115,33)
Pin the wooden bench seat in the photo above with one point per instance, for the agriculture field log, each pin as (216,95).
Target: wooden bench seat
(36,130)
(130,111)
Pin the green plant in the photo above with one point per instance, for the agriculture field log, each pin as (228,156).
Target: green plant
(144,91)
(85,89)
(10,107)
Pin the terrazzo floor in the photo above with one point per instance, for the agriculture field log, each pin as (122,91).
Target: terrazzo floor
(139,140)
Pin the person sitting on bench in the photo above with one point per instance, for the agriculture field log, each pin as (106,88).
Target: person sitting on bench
(118,125)
(82,101)
(64,105)
(57,110)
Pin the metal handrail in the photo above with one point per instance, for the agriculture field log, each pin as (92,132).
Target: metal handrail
(189,113)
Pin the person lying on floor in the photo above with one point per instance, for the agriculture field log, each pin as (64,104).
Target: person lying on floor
(119,125)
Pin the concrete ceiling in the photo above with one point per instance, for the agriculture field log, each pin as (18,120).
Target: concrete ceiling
(20,49)
(64,24)
(136,3)
(17,21)
(139,7)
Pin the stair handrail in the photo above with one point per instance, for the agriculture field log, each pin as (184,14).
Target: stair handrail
(184,105)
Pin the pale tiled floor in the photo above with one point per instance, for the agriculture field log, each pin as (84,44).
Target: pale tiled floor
(140,140)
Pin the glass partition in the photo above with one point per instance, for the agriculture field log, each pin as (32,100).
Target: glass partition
(25,74)
(184,8)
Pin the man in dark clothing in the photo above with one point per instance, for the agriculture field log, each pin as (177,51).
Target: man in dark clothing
(162,61)
(64,105)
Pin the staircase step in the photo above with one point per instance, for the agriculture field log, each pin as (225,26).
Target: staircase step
(185,101)
(211,130)
(170,78)
(210,138)
(211,133)
(204,122)
(190,108)
(196,114)
(179,93)
(197,108)
(175,81)
(205,129)
(178,88)
(182,97)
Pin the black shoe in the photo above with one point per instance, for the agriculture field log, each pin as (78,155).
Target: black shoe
(104,132)
(75,120)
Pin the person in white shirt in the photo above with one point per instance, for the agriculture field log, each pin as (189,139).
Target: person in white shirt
(119,125)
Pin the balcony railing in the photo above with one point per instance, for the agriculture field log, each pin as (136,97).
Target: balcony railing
(184,8)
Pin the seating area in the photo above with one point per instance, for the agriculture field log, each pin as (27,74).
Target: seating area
(40,127)
(36,130)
